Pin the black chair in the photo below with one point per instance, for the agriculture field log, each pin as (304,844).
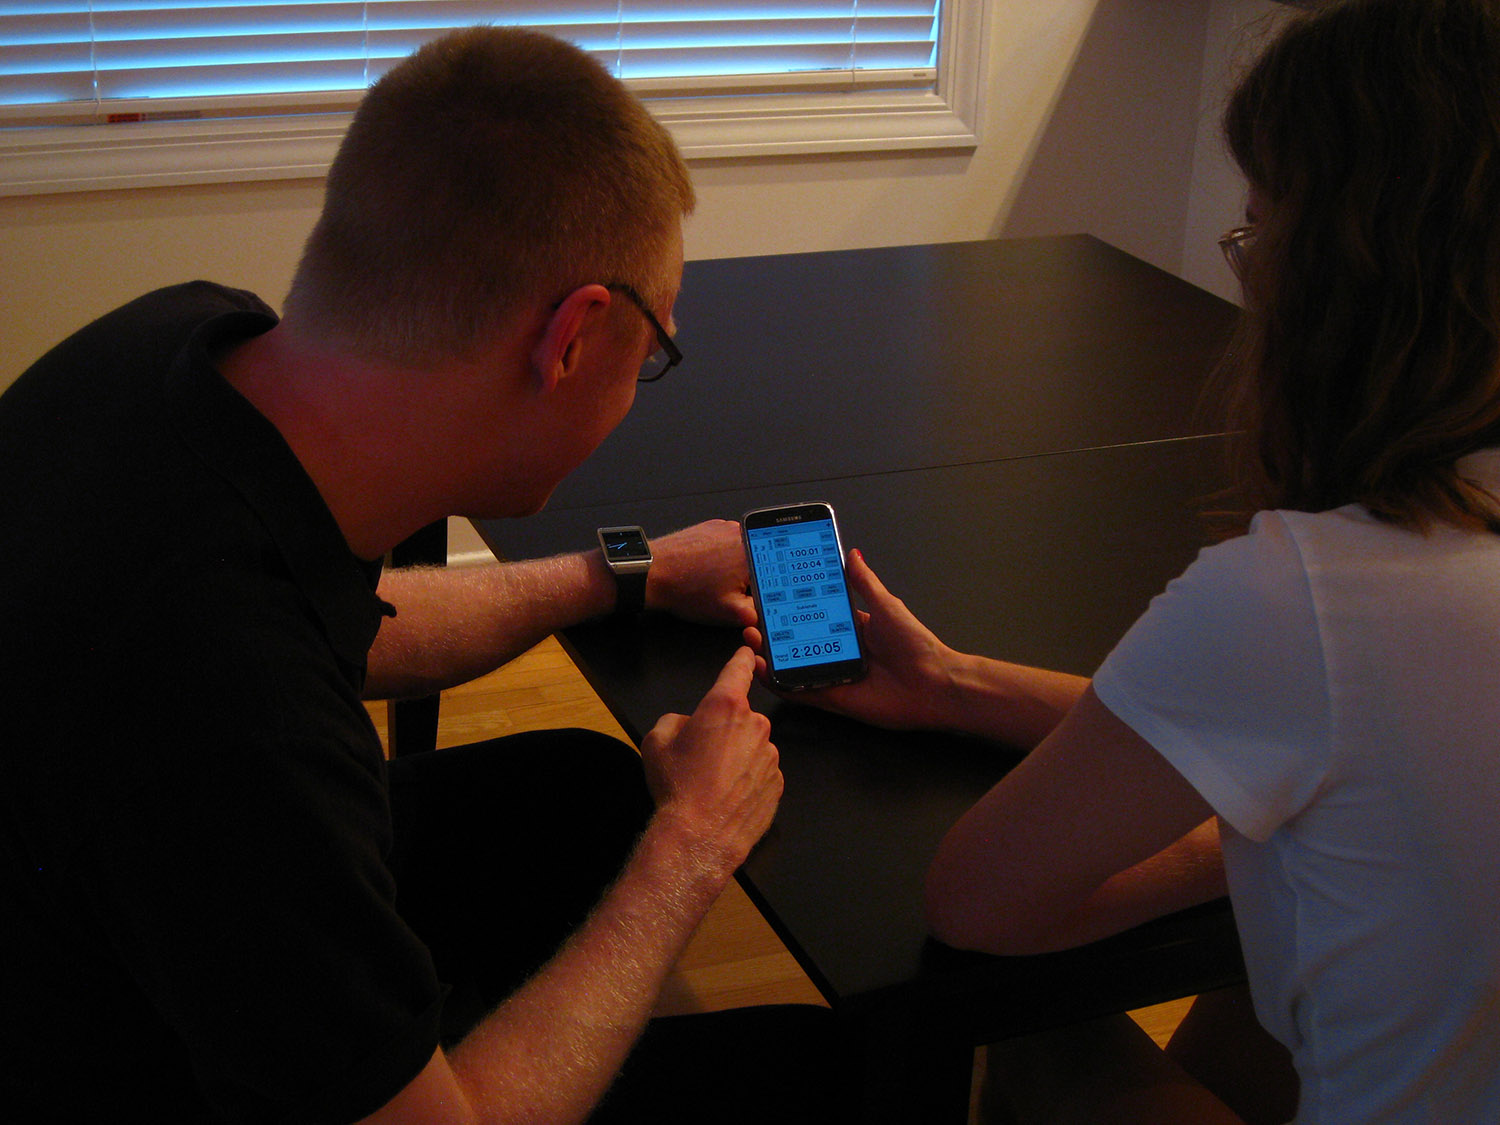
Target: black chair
(411,724)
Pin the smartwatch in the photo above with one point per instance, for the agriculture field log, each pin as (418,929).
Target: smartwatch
(628,556)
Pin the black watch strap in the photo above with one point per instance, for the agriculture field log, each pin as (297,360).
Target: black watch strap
(627,553)
(632,597)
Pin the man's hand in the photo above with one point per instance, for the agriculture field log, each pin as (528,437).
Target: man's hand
(717,773)
(549,1052)
(700,574)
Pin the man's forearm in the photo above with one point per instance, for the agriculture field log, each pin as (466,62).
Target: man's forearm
(454,624)
(550,1052)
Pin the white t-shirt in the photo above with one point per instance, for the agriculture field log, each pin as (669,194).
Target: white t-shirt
(1331,686)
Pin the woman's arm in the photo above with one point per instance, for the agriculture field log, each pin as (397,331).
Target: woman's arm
(1092,833)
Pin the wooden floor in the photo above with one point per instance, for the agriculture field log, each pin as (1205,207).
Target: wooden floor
(735,959)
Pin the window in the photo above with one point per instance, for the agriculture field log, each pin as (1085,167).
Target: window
(111,93)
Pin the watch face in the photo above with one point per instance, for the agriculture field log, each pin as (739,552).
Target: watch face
(624,544)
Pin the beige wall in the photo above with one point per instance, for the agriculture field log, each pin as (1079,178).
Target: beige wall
(67,258)
(1095,119)
(1131,151)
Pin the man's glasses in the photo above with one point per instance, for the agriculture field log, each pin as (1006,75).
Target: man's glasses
(1236,245)
(667,354)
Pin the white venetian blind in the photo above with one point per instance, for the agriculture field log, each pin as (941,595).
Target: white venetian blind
(117,59)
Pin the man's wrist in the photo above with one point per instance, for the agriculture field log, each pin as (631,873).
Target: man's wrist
(627,554)
(699,866)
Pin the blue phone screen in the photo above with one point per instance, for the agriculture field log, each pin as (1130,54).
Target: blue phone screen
(803,594)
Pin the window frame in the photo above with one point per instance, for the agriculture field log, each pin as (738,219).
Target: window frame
(800,115)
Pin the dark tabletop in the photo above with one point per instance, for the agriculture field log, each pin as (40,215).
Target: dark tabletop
(1013,433)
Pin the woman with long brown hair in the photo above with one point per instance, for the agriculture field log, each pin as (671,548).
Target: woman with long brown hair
(1310,715)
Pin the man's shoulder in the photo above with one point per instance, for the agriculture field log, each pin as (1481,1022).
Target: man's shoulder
(195,298)
(109,492)
(189,300)
(156,325)
(146,331)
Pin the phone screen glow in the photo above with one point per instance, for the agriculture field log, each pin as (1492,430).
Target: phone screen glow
(803,595)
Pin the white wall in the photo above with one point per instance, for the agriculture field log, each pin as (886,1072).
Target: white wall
(1132,152)
(1236,30)
(1097,118)
(67,258)
(1116,159)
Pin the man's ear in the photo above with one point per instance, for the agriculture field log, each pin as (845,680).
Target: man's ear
(560,346)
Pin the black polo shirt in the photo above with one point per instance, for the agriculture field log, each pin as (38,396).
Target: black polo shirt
(196,916)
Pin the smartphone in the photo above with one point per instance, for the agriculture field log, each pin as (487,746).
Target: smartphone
(802,597)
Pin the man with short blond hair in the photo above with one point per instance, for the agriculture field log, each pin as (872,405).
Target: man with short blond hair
(492,168)
(220,901)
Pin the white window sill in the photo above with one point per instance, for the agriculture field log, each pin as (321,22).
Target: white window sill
(806,114)
(64,158)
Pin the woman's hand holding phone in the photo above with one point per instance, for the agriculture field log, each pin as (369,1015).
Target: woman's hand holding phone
(909,671)
(806,622)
